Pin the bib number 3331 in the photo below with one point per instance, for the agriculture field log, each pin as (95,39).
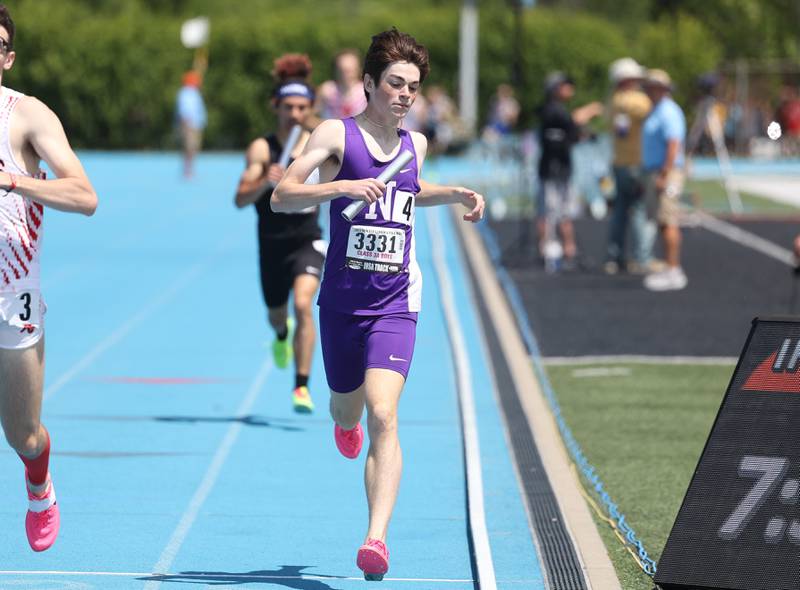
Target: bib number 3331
(376,249)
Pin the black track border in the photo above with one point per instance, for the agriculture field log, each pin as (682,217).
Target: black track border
(563,568)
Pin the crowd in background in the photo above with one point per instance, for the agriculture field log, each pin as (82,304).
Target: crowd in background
(649,145)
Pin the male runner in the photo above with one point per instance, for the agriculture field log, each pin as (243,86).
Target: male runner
(290,244)
(29,132)
(368,309)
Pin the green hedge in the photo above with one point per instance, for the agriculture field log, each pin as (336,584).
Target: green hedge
(111,69)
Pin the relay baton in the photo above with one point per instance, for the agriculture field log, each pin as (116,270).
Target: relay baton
(291,141)
(355,207)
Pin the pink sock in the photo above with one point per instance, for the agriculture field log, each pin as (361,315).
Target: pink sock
(37,467)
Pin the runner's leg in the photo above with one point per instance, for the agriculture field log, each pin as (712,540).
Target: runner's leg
(277,319)
(21,382)
(347,408)
(305,286)
(385,459)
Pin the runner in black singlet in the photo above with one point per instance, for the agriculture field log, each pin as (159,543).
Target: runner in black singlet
(291,248)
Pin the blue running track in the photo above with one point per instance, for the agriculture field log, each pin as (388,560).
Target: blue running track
(178,461)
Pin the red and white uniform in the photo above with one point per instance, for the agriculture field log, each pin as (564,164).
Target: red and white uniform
(20,218)
(21,307)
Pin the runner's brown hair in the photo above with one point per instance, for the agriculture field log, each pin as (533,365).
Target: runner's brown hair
(393,46)
(7,24)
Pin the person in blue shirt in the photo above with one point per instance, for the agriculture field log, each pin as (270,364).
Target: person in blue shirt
(663,139)
(191,118)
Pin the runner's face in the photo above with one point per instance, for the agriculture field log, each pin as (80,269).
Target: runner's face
(396,90)
(293,110)
(6,55)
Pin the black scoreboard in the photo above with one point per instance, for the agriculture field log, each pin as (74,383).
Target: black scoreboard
(739,525)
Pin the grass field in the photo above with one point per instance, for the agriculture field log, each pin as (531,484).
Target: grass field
(708,195)
(711,196)
(643,427)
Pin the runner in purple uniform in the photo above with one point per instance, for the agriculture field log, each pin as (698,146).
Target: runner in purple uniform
(371,288)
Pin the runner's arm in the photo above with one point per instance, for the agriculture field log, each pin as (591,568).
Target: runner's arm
(431,194)
(325,143)
(254,180)
(436,194)
(71,190)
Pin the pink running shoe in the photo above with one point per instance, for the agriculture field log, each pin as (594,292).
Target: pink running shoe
(43,519)
(373,560)
(349,441)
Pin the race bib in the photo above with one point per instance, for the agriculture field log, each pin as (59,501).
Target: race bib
(376,249)
(21,310)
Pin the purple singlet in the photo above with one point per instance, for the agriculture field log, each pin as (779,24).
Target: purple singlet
(371,267)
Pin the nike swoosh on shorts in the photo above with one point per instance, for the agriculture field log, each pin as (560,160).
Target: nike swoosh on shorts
(397,359)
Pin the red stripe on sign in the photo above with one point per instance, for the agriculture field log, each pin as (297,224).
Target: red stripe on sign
(765,378)
(163,380)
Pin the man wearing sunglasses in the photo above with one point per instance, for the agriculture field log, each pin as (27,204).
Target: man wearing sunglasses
(29,134)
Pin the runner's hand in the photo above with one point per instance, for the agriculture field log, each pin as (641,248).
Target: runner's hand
(472,200)
(368,190)
(275,173)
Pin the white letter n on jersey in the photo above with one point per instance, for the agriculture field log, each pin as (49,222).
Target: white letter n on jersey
(401,212)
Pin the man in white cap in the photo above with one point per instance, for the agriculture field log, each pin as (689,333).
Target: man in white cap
(663,138)
(628,109)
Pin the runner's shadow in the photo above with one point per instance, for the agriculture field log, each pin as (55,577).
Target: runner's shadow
(249,420)
(289,576)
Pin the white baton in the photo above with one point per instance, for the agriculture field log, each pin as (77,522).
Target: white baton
(291,141)
(355,207)
(286,154)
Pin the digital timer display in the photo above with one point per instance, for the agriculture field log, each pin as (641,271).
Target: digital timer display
(739,525)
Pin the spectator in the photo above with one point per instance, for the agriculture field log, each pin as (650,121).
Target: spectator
(663,137)
(788,115)
(557,200)
(503,111)
(443,126)
(700,139)
(191,118)
(417,117)
(343,97)
(628,109)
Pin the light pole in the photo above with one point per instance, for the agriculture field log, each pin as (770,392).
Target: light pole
(468,65)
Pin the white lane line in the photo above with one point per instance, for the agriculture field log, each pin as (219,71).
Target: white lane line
(469,423)
(184,279)
(745,238)
(212,473)
(621,359)
(220,575)
(593,372)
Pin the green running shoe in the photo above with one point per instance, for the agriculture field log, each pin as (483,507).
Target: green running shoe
(282,349)
(301,400)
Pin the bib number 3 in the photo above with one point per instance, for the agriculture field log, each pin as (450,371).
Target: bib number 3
(26,307)
(23,311)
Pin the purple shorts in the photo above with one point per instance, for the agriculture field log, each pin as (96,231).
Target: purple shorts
(351,344)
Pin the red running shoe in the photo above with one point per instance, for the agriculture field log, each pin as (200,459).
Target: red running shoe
(373,560)
(349,442)
(43,519)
